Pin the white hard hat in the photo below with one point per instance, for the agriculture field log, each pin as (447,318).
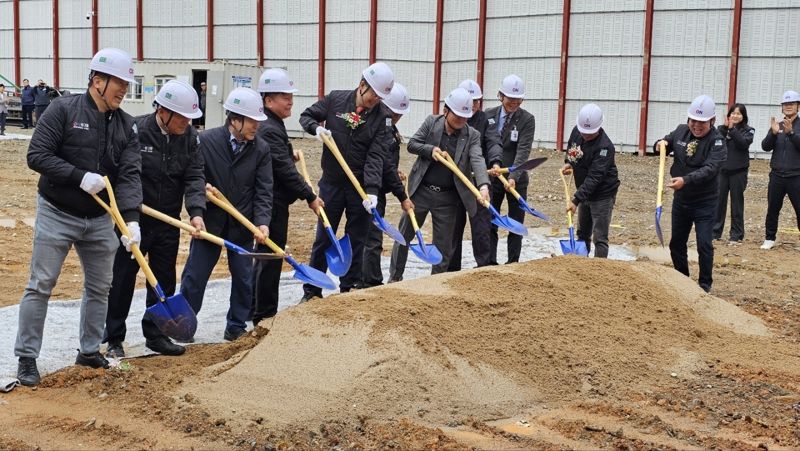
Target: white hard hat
(114,62)
(590,119)
(513,87)
(460,102)
(398,100)
(473,88)
(180,97)
(246,102)
(701,109)
(790,96)
(276,80)
(380,78)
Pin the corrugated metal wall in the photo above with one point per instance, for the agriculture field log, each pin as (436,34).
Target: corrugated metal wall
(36,40)
(7,40)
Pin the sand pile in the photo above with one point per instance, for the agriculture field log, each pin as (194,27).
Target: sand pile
(486,343)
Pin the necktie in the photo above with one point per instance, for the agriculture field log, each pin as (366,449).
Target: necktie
(237,146)
(506,123)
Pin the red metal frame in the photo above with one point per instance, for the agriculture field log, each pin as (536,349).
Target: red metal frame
(321,55)
(210,29)
(95,26)
(56,49)
(437,63)
(737,25)
(645,97)
(139,30)
(481,43)
(17,59)
(260,32)
(373,30)
(562,78)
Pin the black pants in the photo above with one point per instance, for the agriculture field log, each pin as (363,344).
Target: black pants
(594,218)
(480,225)
(267,273)
(340,199)
(39,112)
(371,274)
(514,212)
(160,244)
(777,190)
(27,115)
(701,215)
(734,183)
(3,123)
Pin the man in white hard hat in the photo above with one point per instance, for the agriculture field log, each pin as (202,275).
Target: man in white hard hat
(516,128)
(699,152)
(66,151)
(397,104)
(783,139)
(433,187)
(277,92)
(361,130)
(172,174)
(481,224)
(590,156)
(238,164)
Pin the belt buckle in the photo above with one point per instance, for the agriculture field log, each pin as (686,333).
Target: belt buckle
(435,189)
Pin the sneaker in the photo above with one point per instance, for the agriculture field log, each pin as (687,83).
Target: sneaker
(734,242)
(165,346)
(233,334)
(115,350)
(93,360)
(768,244)
(308,296)
(27,373)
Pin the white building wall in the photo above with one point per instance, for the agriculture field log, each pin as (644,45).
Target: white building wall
(75,32)
(7,40)
(235,31)
(36,40)
(174,30)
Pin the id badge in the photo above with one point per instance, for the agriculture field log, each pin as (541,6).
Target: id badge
(514,135)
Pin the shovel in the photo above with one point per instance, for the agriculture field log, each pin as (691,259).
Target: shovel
(428,253)
(526,166)
(571,246)
(173,316)
(207,236)
(302,272)
(522,204)
(340,253)
(662,158)
(500,221)
(376,217)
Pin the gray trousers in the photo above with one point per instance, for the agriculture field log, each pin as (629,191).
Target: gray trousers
(594,218)
(443,207)
(55,233)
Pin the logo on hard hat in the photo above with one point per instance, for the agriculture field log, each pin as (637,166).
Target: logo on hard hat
(291,83)
(130,71)
(194,106)
(266,81)
(102,59)
(372,71)
(698,111)
(515,89)
(587,125)
(236,101)
(403,104)
(168,95)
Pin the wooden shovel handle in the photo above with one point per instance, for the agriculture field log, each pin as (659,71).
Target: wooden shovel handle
(304,172)
(513,191)
(223,203)
(328,140)
(567,196)
(449,164)
(662,158)
(182,225)
(410,211)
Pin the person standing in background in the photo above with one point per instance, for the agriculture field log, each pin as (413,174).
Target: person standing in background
(733,176)
(27,104)
(42,95)
(3,109)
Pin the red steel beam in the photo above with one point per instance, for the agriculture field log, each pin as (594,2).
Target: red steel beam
(56,50)
(17,58)
(737,25)
(645,97)
(562,78)
(139,30)
(95,27)
(321,51)
(481,42)
(373,30)
(260,32)
(210,30)
(437,58)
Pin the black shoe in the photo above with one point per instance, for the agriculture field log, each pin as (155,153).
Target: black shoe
(188,340)
(233,334)
(93,360)
(115,350)
(27,373)
(163,345)
(706,288)
(309,296)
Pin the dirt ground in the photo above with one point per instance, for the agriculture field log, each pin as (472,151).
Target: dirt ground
(562,353)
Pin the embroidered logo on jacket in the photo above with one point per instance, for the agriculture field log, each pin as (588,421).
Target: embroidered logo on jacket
(80,125)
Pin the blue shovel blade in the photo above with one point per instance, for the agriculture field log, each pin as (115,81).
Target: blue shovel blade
(428,253)
(339,254)
(174,317)
(572,246)
(307,274)
(507,223)
(530,210)
(659,210)
(387,228)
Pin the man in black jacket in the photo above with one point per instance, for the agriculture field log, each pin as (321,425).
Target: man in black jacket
(171,168)
(699,153)
(80,139)
(277,91)
(590,154)
(238,164)
(361,130)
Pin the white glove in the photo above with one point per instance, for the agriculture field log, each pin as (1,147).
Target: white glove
(93,183)
(135,238)
(370,202)
(322,131)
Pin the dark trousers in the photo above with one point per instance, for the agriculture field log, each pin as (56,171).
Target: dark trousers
(27,115)
(371,274)
(514,212)
(442,207)
(203,257)
(39,112)
(480,225)
(340,199)
(778,188)
(594,218)
(3,123)
(701,215)
(160,244)
(267,273)
(734,183)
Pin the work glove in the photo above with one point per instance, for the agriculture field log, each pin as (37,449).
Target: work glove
(322,131)
(93,183)
(370,202)
(135,238)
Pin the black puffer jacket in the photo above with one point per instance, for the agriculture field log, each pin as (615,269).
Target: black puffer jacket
(490,139)
(785,161)
(289,184)
(700,171)
(595,171)
(391,181)
(737,141)
(73,138)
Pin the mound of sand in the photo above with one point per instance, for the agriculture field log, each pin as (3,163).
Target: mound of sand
(486,343)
